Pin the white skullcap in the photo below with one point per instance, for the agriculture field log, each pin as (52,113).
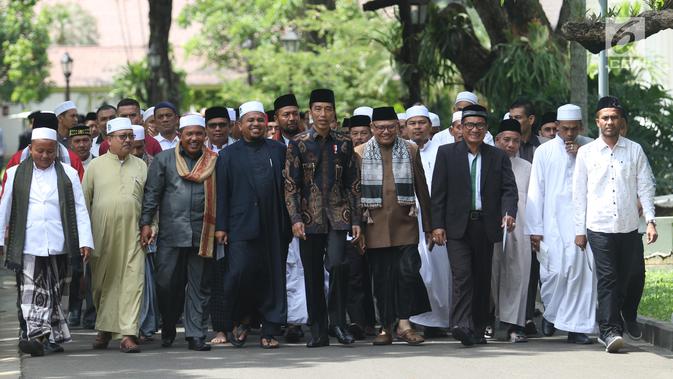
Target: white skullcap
(250,106)
(232,114)
(148,113)
(363,111)
(569,112)
(117,124)
(506,116)
(402,116)
(417,110)
(457,116)
(434,119)
(138,132)
(64,107)
(467,96)
(192,120)
(44,133)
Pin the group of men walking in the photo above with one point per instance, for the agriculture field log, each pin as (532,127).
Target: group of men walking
(201,217)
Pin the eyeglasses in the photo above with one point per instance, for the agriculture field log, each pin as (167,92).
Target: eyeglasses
(380,128)
(472,125)
(124,137)
(215,125)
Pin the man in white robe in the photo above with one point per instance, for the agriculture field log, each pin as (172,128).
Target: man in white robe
(511,267)
(568,287)
(435,269)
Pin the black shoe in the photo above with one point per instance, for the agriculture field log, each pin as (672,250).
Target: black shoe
(632,329)
(293,333)
(318,342)
(74,318)
(612,342)
(167,336)
(51,347)
(198,344)
(548,328)
(432,332)
(579,338)
(530,330)
(465,336)
(32,346)
(357,332)
(342,335)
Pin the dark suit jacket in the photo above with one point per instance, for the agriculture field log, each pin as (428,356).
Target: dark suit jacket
(238,212)
(452,192)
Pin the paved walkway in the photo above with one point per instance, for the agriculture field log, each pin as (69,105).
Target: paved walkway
(444,358)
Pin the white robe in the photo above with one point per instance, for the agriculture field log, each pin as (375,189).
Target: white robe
(568,283)
(435,269)
(296,292)
(511,268)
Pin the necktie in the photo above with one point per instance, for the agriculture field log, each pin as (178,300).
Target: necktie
(473,177)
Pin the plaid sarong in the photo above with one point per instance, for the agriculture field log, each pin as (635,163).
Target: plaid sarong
(372,175)
(42,284)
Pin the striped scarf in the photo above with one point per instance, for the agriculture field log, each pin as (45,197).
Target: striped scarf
(203,172)
(372,175)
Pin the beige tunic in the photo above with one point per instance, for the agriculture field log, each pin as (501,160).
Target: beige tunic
(393,225)
(114,191)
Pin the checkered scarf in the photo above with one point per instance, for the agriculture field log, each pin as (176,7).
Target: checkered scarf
(372,175)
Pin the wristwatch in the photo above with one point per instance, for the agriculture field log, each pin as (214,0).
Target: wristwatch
(653,222)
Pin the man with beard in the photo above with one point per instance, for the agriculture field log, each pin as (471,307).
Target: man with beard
(217,128)
(181,182)
(253,223)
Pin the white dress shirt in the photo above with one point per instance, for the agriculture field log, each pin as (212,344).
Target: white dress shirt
(445,137)
(607,185)
(44,231)
(471,157)
(167,144)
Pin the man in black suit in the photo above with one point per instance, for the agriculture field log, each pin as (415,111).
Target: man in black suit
(254,224)
(474,196)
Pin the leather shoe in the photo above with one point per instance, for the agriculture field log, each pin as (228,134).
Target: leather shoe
(318,342)
(384,338)
(465,336)
(357,332)
(198,344)
(579,338)
(33,347)
(548,328)
(51,347)
(342,335)
(530,329)
(293,333)
(167,336)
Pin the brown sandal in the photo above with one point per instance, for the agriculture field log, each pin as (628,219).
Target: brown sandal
(411,337)
(102,340)
(129,345)
(269,343)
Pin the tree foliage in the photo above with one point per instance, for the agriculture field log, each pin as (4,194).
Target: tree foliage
(336,51)
(23,52)
(70,24)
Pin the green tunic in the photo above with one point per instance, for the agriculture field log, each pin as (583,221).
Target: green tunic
(114,191)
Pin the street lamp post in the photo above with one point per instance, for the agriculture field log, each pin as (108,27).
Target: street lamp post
(66,65)
(290,40)
(419,12)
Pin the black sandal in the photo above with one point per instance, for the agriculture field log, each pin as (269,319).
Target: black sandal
(271,342)
(244,330)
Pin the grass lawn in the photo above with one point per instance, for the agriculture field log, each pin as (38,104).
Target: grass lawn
(657,301)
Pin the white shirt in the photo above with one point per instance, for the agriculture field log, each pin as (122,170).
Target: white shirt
(44,231)
(445,137)
(166,144)
(428,157)
(471,157)
(607,185)
(216,149)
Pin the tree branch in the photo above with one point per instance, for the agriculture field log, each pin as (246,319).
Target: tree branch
(591,34)
(494,18)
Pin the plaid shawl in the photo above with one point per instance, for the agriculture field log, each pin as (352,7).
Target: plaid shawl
(203,172)
(372,175)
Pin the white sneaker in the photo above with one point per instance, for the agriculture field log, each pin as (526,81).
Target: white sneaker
(612,343)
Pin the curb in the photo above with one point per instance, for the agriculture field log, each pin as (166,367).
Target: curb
(10,361)
(657,333)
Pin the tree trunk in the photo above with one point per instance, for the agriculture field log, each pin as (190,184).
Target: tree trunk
(164,83)
(579,91)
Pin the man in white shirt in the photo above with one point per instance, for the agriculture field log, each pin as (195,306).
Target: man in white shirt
(612,173)
(566,275)
(48,228)
(166,119)
(435,269)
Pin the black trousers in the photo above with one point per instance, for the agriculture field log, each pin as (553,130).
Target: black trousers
(470,258)
(620,270)
(533,282)
(398,287)
(217,316)
(319,252)
(75,298)
(360,305)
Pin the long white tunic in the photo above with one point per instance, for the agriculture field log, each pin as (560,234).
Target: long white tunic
(568,283)
(296,292)
(435,269)
(44,231)
(511,268)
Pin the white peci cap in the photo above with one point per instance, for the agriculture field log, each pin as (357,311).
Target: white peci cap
(148,113)
(117,124)
(569,112)
(417,110)
(434,119)
(192,119)
(44,133)
(457,116)
(64,107)
(506,116)
(364,111)
(467,96)
(232,114)
(138,132)
(250,106)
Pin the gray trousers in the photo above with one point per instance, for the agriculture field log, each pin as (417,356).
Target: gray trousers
(183,282)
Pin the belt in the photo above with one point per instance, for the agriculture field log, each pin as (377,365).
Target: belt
(475,215)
